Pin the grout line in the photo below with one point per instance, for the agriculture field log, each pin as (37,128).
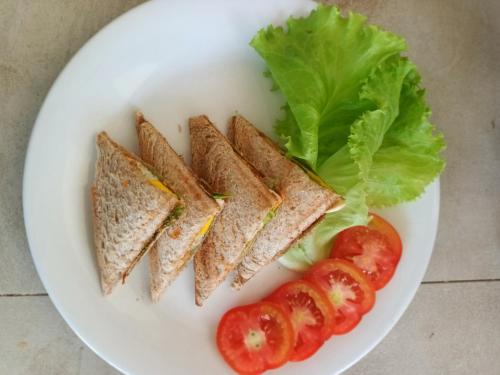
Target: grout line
(422,283)
(460,281)
(24,295)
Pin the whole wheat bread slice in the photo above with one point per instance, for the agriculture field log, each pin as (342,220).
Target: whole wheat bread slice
(176,246)
(129,212)
(248,204)
(304,200)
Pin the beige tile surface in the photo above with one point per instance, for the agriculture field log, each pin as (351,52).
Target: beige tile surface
(37,38)
(449,328)
(34,340)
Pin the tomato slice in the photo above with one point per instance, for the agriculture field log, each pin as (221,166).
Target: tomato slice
(255,337)
(311,315)
(349,291)
(383,226)
(375,249)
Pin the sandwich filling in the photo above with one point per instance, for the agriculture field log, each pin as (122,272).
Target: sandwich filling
(155,181)
(204,229)
(174,215)
(159,185)
(270,215)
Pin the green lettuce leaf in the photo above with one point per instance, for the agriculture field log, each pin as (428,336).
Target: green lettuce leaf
(393,148)
(355,114)
(319,64)
(409,157)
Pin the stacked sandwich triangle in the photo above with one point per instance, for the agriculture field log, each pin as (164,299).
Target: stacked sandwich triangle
(159,205)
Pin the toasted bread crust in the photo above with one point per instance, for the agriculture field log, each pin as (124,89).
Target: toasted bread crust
(175,248)
(304,201)
(128,211)
(249,202)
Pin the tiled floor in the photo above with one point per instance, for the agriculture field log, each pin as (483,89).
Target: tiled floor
(450,328)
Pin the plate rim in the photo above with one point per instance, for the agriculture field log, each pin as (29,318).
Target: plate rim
(398,313)
(27,167)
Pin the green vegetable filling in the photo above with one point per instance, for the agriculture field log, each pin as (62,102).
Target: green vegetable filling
(270,215)
(222,196)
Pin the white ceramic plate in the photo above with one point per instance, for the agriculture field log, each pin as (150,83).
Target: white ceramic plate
(173,60)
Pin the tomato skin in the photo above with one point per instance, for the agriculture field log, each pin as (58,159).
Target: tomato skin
(255,338)
(294,321)
(383,226)
(375,249)
(348,290)
(311,315)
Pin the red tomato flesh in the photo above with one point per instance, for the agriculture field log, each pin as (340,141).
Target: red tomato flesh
(311,315)
(255,338)
(383,226)
(375,249)
(351,293)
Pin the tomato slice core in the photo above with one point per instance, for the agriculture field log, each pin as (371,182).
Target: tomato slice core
(311,315)
(351,294)
(375,249)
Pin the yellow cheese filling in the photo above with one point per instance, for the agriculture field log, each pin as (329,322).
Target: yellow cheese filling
(205,227)
(158,184)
